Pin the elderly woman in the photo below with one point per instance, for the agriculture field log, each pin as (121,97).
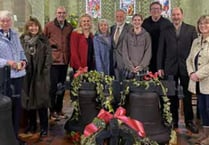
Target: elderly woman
(81,45)
(102,46)
(136,50)
(35,95)
(12,54)
(198,68)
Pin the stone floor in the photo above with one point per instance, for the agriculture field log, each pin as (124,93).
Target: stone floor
(57,134)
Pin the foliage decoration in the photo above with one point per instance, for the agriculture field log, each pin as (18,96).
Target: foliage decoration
(75,137)
(148,80)
(151,79)
(73,20)
(117,125)
(103,89)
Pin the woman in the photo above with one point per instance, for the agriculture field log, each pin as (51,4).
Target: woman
(198,70)
(81,45)
(136,50)
(12,54)
(36,83)
(102,46)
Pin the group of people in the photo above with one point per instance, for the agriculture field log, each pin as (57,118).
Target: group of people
(39,60)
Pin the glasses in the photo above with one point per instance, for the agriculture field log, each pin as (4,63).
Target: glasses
(203,23)
(61,12)
(156,9)
(5,20)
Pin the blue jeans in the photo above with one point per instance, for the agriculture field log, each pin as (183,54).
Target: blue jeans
(203,105)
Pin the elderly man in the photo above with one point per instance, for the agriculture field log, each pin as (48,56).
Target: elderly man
(58,32)
(174,47)
(12,54)
(118,31)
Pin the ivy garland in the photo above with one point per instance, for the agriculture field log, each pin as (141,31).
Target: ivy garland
(153,79)
(167,116)
(102,82)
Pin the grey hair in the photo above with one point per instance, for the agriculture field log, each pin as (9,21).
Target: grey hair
(103,21)
(61,7)
(6,14)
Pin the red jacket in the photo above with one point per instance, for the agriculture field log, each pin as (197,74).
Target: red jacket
(78,50)
(59,41)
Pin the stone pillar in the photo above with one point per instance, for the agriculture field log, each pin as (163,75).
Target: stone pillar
(53,4)
(7,5)
(38,10)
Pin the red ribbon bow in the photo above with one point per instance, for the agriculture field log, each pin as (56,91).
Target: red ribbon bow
(151,76)
(80,71)
(119,114)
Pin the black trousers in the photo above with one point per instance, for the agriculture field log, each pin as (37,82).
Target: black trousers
(187,100)
(14,92)
(58,76)
(43,117)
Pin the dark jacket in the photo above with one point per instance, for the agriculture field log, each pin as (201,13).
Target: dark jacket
(59,41)
(173,51)
(154,28)
(36,84)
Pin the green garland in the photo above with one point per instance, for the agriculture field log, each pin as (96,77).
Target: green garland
(167,116)
(101,81)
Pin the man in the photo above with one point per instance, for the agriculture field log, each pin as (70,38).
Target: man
(12,54)
(118,31)
(154,24)
(58,32)
(174,47)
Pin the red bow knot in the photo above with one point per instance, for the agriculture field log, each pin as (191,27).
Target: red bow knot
(119,114)
(80,71)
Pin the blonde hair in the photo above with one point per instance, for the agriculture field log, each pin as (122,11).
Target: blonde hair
(79,29)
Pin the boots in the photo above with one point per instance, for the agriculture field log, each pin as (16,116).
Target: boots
(205,141)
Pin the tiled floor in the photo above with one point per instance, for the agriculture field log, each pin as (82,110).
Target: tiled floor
(57,134)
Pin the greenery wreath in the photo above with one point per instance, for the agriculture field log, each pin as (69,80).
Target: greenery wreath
(102,82)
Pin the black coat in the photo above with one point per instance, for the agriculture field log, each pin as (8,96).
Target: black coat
(173,51)
(36,84)
(154,28)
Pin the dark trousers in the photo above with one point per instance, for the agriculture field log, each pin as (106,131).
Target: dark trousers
(203,105)
(43,117)
(118,74)
(187,100)
(14,92)
(58,76)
